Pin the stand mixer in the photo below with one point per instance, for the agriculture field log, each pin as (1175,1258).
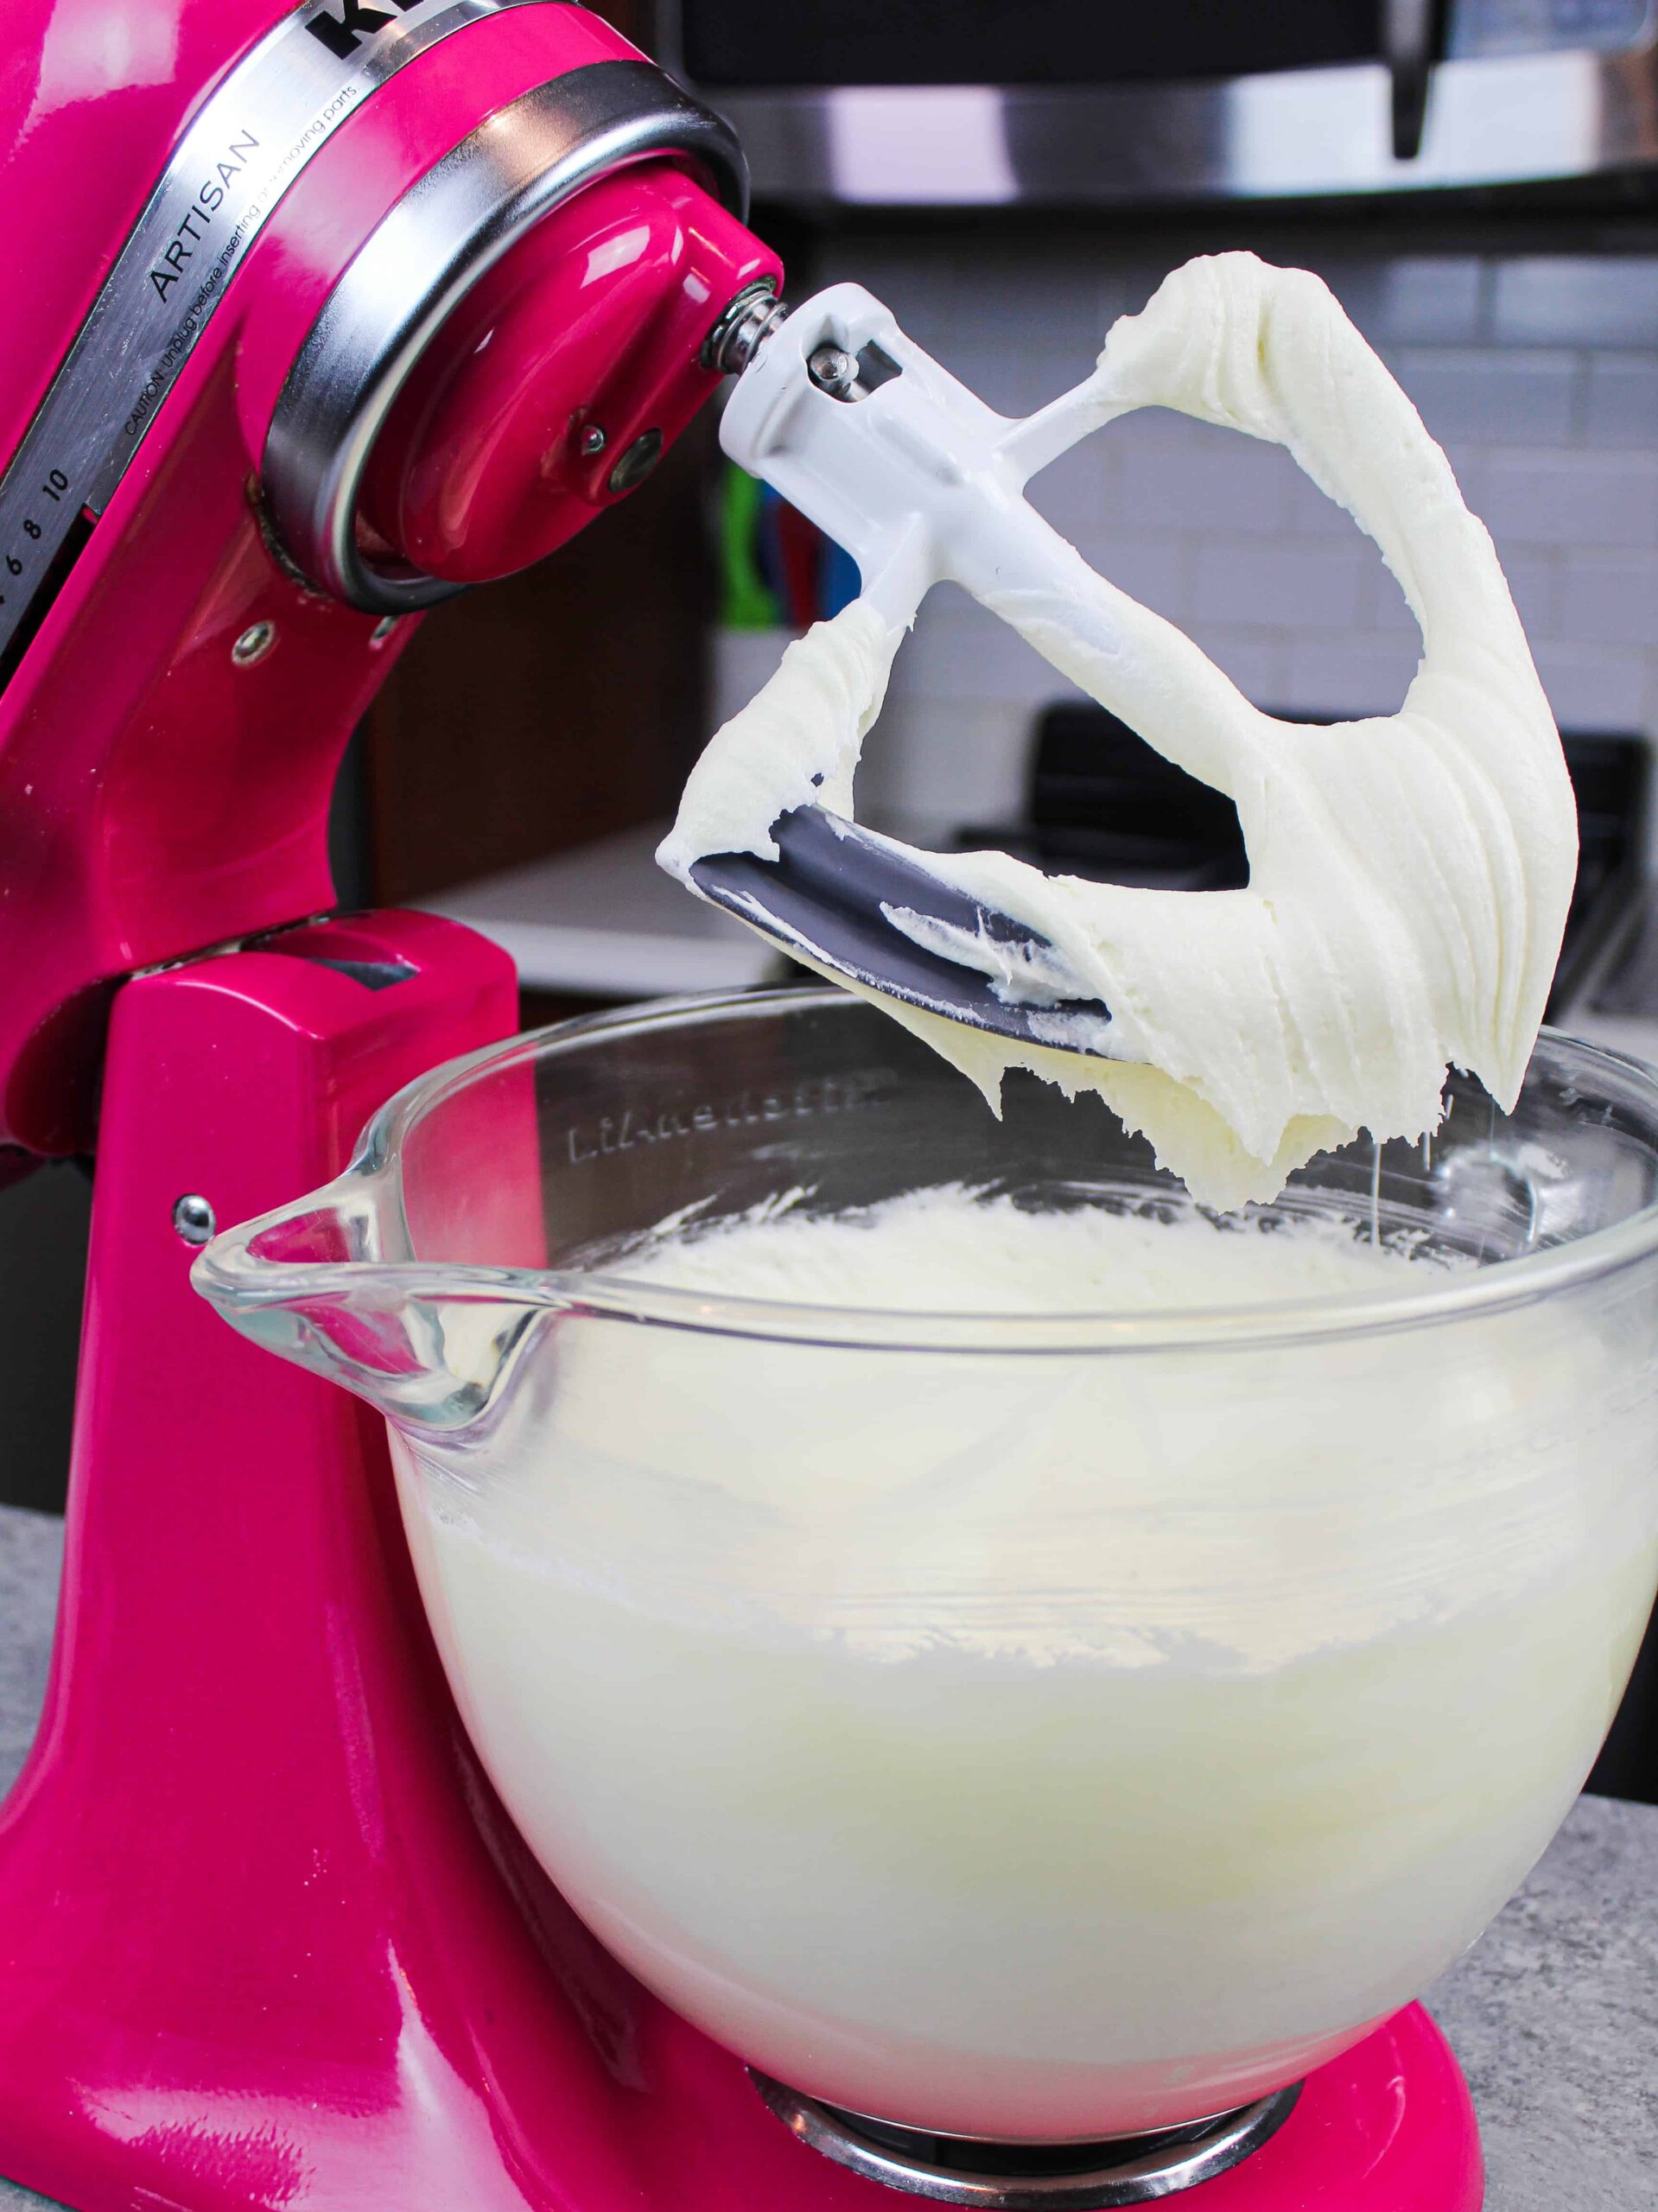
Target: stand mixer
(346,309)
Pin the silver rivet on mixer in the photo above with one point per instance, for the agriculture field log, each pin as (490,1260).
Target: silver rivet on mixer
(637,462)
(192,1218)
(254,644)
(593,440)
(384,628)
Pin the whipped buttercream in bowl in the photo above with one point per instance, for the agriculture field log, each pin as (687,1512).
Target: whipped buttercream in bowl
(998,1646)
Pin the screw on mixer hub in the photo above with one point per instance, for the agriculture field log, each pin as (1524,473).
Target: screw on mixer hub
(254,644)
(1115,2171)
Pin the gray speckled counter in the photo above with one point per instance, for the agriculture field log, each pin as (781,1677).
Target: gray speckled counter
(1553,2013)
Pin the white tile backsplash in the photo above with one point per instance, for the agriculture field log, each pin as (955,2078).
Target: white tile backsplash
(1476,394)
(1021,380)
(1256,660)
(1309,512)
(1575,300)
(1612,598)
(963,758)
(1352,675)
(1153,570)
(1534,579)
(1219,481)
(1620,403)
(958,652)
(1417,300)
(1591,687)
(1538,374)
(1431,301)
(1571,498)
(1075,494)
(1279,582)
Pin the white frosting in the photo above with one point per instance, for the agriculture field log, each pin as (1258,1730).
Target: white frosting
(1409,876)
(950,1249)
(1041,1745)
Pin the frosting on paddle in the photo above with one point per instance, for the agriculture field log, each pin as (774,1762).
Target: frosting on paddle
(1409,876)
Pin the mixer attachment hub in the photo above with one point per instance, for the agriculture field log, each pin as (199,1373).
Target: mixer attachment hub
(747,322)
(1120,2169)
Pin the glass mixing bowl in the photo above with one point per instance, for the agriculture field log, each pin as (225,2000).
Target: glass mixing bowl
(1028,1726)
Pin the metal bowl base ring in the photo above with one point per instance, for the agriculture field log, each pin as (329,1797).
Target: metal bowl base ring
(1030,2176)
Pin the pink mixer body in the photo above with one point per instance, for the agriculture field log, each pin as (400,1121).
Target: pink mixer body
(159,793)
(267,1939)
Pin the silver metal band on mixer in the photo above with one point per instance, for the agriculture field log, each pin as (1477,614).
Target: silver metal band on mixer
(1099,2176)
(421,260)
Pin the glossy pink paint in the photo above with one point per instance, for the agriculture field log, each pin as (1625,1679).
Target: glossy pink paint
(92,95)
(482,469)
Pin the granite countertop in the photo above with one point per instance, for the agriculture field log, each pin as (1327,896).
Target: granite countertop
(1553,2013)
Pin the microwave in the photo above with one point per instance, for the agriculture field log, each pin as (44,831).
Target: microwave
(1089,103)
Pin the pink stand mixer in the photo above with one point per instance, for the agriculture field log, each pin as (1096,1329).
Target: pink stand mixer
(345,310)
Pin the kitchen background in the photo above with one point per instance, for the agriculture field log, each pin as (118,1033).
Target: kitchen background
(1522,322)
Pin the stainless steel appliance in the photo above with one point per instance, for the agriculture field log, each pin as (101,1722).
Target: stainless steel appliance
(1068,103)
